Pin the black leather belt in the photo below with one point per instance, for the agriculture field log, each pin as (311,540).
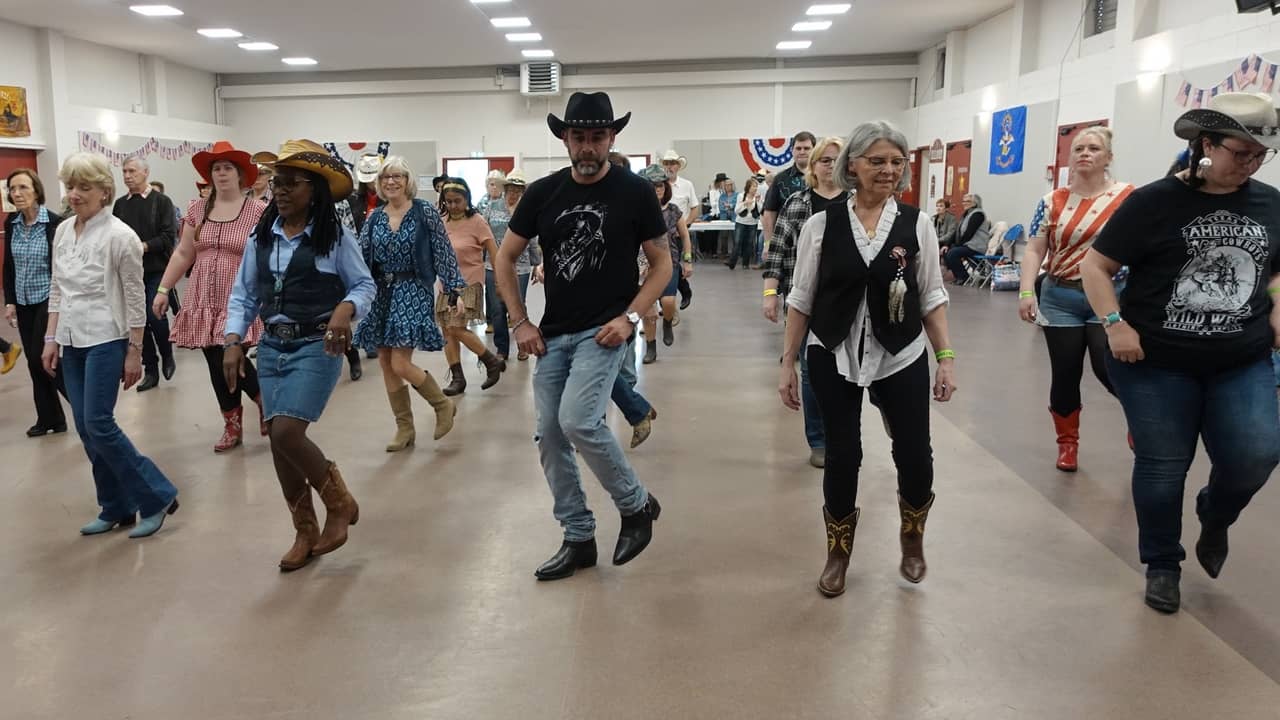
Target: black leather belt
(391,278)
(1068,284)
(296,331)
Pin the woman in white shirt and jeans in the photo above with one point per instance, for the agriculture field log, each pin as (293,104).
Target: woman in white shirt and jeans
(746,218)
(867,281)
(97,284)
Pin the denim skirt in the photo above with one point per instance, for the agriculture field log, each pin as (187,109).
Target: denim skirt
(674,284)
(297,377)
(1066,306)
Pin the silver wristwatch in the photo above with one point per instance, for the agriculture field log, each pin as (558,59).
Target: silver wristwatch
(633,318)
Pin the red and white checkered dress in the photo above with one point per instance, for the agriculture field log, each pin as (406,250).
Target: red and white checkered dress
(202,322)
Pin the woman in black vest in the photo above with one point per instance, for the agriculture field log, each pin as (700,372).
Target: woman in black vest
(867,280)
(307,280)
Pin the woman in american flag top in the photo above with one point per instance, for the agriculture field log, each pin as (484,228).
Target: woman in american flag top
(1066,222)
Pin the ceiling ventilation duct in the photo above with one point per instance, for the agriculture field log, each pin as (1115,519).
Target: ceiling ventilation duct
(540,78)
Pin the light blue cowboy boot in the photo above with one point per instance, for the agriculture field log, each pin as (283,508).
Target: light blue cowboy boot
(151,524)
(99,526)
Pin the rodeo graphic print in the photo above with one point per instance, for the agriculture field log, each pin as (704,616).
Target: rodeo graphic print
(1211,296)
(582,227)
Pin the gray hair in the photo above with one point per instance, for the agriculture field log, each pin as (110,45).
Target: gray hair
(397,163)
(142,164)
(977,199)
(861,140)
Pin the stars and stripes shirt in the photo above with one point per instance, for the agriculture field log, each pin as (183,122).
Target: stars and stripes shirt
(1069,223)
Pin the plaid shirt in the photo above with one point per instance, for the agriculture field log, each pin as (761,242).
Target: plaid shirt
(780,260)
(30,248)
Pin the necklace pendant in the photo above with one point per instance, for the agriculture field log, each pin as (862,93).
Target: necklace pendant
(279,284)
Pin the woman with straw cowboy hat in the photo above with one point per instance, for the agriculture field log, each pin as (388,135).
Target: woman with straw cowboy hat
(211,245)
(306,278)
(1192,337)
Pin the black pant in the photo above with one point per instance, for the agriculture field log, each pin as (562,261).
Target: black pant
(33,322)
(156,335)
(904,401)
(248,384)
(1067,348)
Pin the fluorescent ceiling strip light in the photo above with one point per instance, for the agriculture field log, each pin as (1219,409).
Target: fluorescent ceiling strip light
(511,22)
(258,45)
(794,44)
(811,26)
(298,61)
(156,10)
(524,37)
(538,53)
(220,33)
(489,2)
(833,9)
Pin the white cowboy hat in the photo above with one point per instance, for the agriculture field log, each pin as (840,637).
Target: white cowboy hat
(1247,116)
(515,177)
(367,167)
(673,156)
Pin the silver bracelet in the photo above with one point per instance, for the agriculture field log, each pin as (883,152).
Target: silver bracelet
(517,325)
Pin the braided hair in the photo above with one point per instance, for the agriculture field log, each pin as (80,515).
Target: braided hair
(326,228)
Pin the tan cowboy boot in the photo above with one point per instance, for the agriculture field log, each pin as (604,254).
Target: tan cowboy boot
(444,407)
(913,566)
(403,409)
(304,521)
(341,510)
(839,545)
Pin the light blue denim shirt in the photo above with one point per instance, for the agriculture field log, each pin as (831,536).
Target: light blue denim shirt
(346,261)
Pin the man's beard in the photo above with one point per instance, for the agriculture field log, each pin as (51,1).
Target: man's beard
(588,167)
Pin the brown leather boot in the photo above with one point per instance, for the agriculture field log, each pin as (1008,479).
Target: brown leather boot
(839,545)
(493,368)
(304,521)
(444,407)
(405,433)
(913,566)
(341,510)
(457,381)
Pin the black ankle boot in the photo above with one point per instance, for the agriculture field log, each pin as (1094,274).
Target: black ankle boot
(493,367)
(1163,593)
(571,557)
(1211,549)
(457,381)
(637,531)
(650,352)
(668,336)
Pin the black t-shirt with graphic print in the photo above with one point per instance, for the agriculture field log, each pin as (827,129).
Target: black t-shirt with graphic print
(590,235)
(785,184)
(1199,265)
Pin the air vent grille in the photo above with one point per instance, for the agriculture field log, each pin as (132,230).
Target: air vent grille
(540,78)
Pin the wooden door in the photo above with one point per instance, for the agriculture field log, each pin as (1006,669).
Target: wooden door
(911,196)
(956,183)
(11,159)
(1062,164)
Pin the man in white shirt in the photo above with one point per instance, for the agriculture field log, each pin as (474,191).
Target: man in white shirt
(685,196)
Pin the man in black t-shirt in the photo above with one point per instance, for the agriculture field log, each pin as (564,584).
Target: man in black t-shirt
(788,182)
(591,220)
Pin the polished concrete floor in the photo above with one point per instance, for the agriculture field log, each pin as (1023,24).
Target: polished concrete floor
(1032,608)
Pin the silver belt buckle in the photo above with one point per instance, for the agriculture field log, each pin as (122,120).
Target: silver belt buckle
(285,332)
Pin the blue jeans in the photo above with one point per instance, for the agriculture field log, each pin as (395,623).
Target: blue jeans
(814,433)
(744,244)
(571,385)
(632,404)
(955,261)
(156,336)
(1234,412)
(495,311)
(127,481)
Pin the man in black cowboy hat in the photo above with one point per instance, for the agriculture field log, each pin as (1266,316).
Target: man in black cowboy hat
(591,220)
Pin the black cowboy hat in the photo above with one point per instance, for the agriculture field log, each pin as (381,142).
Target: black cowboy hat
(721,176)
(589,111)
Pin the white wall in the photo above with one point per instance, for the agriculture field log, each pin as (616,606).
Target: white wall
(103,77)
(1058,30)
(191,93)
(986,52)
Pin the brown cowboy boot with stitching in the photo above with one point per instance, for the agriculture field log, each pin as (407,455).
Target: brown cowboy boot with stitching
(403,410)
(839,546)
(304,521)
(341,510)
(493,369)
(444,407)
(457,381)
(913,566)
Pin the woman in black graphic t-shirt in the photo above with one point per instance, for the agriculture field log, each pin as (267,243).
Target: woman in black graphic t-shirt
(1191,337)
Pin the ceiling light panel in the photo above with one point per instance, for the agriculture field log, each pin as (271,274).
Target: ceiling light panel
(831,9)
(298,61)
(811,26)
(511,22)
(258,46)
(537,53)
(524,37)
(220,33)
(489,2)
(794,44)
(156,10)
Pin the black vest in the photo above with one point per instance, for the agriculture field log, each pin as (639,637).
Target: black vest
(844,278)
(306,295)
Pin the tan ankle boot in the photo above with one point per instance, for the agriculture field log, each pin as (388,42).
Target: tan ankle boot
(839,546)
(304,521)
(444,407)
(341,510)
(403,409)
(913,565)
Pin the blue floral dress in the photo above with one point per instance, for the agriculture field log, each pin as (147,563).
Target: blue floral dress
(403,314)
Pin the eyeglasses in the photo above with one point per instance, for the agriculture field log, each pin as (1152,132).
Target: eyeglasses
(281,183)
(1245,157)
(825,161)
(898,163)
(398,177)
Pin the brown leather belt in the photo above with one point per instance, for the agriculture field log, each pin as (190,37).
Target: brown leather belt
(1069,284)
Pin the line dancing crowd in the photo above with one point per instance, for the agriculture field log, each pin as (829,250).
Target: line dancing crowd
(1167,288)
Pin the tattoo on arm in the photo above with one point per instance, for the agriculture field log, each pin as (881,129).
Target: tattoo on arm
(661,243)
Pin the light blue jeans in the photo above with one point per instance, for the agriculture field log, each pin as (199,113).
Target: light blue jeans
(571,387)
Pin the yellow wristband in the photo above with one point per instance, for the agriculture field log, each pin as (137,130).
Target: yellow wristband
(770,293)
(162,290)
(1273,291)
(1027,293)
(945,355)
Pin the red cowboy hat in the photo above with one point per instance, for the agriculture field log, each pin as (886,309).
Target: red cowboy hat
(223,150)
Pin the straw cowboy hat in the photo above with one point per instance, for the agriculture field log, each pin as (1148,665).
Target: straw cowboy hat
(312,157)
(367,167)
(516,178)
(673,156)
(587,111)
(223,150)
(1247,116)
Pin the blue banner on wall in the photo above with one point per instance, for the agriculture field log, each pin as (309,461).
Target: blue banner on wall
(1008,139)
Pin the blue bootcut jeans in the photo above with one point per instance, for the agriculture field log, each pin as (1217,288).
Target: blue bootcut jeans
(1234,412)
(571,389)
(126,481)
(632,404)
(495,311)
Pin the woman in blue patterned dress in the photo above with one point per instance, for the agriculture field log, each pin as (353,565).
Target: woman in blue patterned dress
(407,250)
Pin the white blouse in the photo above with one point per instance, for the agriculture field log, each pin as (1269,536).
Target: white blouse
(861,359)
(97,287)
